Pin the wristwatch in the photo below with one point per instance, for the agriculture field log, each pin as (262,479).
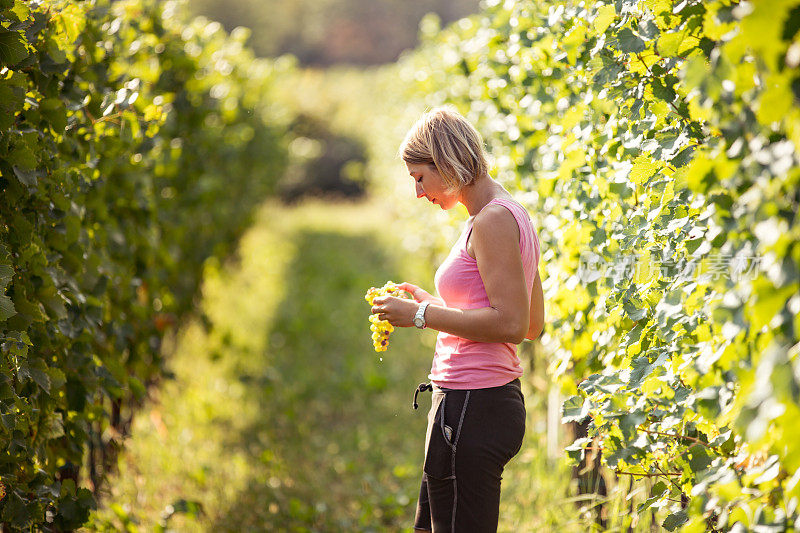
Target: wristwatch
(419,318)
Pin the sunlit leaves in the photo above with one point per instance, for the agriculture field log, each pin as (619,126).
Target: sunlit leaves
(605,16)
(674,129)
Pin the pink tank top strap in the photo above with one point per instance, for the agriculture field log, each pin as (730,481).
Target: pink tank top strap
(517,211)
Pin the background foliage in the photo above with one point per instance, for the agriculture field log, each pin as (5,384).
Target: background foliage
(656,145)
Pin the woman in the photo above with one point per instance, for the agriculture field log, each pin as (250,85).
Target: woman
(489,300)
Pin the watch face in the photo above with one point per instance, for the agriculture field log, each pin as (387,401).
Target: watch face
(418,322)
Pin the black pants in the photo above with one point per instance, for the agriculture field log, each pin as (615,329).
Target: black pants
(472,434)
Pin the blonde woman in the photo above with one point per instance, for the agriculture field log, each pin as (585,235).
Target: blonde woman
(488,299)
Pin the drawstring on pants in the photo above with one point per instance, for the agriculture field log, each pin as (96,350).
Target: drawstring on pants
(422,387)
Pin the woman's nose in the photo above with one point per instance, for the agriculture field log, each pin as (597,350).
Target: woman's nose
(420,191)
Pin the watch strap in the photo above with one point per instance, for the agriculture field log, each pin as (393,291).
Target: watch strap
(420,315)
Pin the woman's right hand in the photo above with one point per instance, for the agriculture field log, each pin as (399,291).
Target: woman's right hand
(419,294)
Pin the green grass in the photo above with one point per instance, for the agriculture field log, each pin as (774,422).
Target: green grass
(281,417)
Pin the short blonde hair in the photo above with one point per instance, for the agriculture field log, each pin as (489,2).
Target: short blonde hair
(445,139)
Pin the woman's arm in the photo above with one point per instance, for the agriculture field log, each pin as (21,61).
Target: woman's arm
(537,309)
(495,242)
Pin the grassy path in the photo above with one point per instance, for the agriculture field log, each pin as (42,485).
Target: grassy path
(281,417)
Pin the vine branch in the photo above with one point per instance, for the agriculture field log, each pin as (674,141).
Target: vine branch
(693,439)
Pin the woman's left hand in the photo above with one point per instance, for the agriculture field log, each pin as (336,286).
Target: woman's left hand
(399,312)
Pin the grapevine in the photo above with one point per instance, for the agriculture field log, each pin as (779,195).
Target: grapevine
(663,137)
(381,328)
(110,153)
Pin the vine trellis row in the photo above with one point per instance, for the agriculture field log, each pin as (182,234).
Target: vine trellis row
(115,189)
(667,133)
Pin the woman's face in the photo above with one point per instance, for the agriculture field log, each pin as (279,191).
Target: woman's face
(429,183)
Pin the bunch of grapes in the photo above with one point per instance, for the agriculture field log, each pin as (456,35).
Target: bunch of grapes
(381,328)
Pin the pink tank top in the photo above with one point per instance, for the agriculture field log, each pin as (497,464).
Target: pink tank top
(459,363)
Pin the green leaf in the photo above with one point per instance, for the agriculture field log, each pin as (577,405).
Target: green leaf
(648,503)
(699,459)
(628,423)
(669,43)
(109,382)
(12,48)
(6,308)
(659,489)
(54,303)
(67,488)
(29,178)
(615,452)
(641,368)
(683,158)
(629,42)
(621,188)
(633,311)
(605,16)
(16,512)
(54,427)
(768,303)
(577,449)
(56,114)
(693,244)
(6,390)
(663,91)
(57,378)
(9,421)
(6,275)
(72,20)
(21,11)
(643,168)
(648,29)
(22,157)
(137,387)
(36,369)
(777,100)
(12,99)
(575,409)
(675,520)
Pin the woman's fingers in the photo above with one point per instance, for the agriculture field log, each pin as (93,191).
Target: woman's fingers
(412,289)
(381,312)
(408,287)
(379,305)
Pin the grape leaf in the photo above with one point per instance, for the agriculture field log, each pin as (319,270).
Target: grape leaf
(12,48)
(629,42)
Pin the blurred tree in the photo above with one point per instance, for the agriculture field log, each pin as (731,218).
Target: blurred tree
(324,32)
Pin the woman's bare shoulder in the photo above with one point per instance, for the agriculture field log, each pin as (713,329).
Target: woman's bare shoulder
(495,221)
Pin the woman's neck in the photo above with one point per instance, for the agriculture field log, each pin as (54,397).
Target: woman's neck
(479,193)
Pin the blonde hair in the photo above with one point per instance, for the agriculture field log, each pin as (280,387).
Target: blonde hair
(445,139)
